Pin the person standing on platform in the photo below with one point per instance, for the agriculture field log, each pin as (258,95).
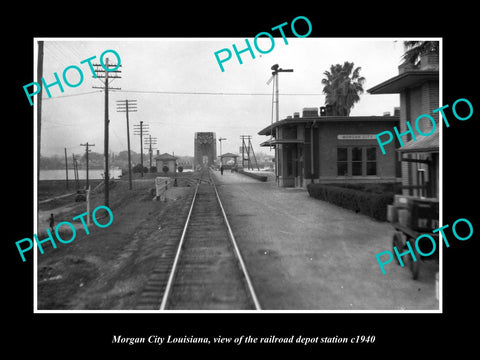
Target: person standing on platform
(221,169)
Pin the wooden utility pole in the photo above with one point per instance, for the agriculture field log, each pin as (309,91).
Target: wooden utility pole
(151,141)
(86,154)
(39,105)
(127,106)
(66,169)
(253,152)
(75,172)
(244,146)
(312,165)
(105,74)
(105,151)
(249,148)
(141,130)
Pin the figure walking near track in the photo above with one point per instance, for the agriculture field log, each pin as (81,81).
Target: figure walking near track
(51,221)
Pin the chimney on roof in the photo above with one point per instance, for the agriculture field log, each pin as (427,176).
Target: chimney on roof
(310,112)
(405,67)
(429,61)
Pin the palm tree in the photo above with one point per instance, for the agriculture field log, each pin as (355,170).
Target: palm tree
(342,87)
(415,49)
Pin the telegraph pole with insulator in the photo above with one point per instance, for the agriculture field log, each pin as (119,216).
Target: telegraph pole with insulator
(128,106)
(103,71)
(141,129)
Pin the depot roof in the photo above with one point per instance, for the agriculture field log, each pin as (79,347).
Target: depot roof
(229,155)
(165,156)
(405,80)
(325,119)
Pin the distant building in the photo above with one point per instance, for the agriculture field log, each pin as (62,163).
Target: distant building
(205,149)
(228,158)
(418,87)
(166,160)
(331,149)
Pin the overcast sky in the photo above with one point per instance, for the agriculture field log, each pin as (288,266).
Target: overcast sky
(151,67)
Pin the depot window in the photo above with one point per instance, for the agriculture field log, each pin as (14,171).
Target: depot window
(371,161)
(342,161)
(356,161)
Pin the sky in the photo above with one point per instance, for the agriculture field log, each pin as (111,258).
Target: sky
(170,76)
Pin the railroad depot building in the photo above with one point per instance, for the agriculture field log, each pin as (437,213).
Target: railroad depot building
(167,160)
(318,148)
(418,87)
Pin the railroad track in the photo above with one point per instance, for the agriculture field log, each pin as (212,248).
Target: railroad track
(208,272)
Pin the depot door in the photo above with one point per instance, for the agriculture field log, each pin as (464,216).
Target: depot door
(299,168)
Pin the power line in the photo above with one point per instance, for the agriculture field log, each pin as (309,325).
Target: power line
(56,54)
(207,93)
(72,95)
(213,93)
(184,93)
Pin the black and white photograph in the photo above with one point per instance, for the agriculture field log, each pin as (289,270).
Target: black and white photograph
(259,187)
(285,180)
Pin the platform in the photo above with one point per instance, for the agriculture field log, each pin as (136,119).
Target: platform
(307,254)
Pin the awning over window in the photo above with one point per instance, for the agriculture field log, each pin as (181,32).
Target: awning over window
(423,144)
(273,142)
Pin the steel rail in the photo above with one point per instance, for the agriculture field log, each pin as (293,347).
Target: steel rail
(237,252)
(238,255)
(177,255)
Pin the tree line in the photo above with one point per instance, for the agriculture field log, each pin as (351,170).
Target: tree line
(97,161)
